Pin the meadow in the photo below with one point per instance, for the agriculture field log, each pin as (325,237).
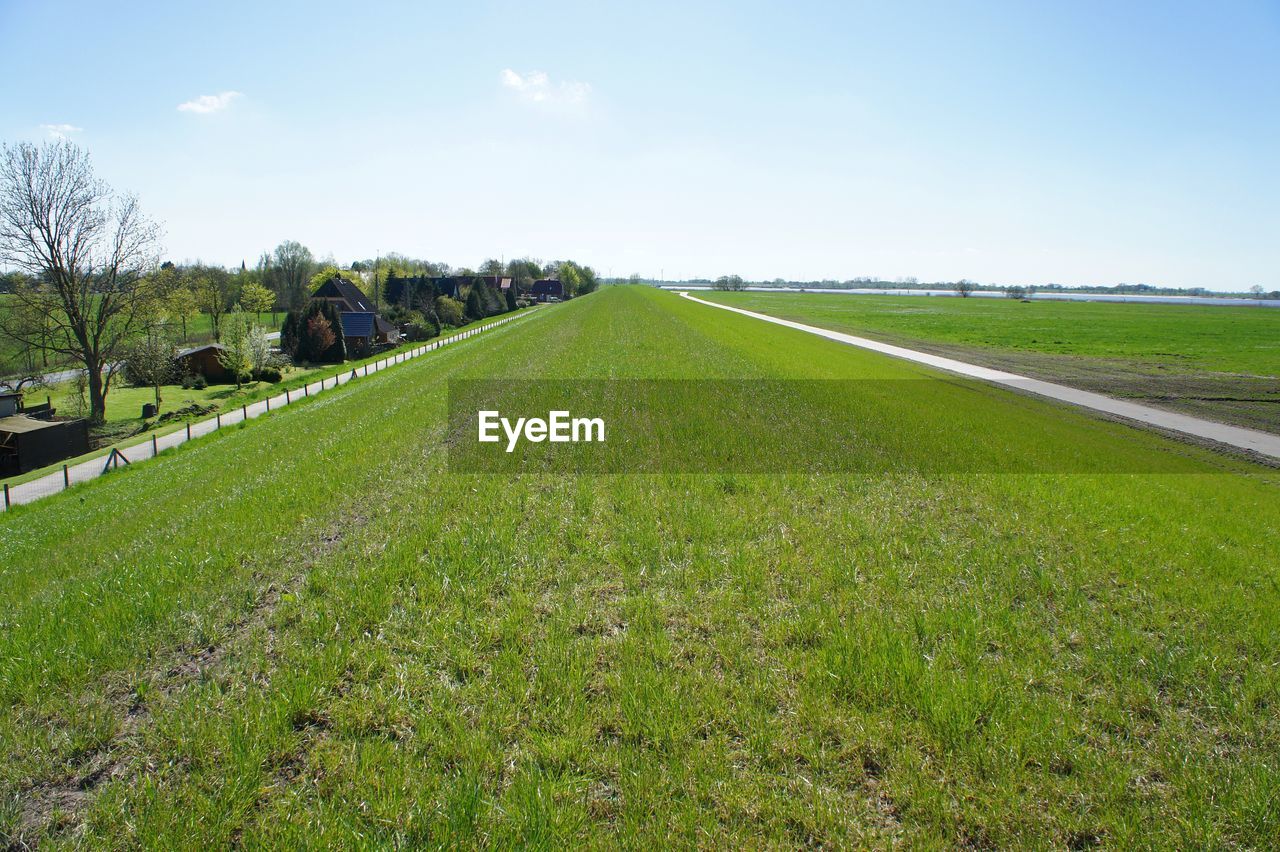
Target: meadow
(314,631)
(1212,361)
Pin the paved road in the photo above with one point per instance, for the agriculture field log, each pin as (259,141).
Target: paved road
(1233,436)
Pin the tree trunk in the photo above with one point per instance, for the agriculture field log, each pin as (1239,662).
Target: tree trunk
(97,393)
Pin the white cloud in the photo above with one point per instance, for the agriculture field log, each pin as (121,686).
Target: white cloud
(60,131)
(209,103)
(537,87)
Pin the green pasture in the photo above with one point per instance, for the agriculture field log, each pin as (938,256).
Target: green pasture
(312,632)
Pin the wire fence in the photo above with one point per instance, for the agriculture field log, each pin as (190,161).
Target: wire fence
(71,474)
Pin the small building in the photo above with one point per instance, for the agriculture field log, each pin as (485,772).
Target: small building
(27,443)
(10,403)
(362,329)
(547,288)
(204,361)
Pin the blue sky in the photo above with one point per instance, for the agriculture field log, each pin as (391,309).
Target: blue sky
(1007,142)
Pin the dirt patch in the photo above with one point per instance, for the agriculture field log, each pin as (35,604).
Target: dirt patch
(1250,401)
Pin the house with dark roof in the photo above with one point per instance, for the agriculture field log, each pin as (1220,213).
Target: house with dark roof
(547,288)
(361,325)
(414,290)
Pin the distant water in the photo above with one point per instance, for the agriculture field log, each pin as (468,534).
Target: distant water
(1040,296)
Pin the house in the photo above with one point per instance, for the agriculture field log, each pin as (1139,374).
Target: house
(204,361)
(362,329)
(547,288)
(411,291)
(27,443)
(361,326)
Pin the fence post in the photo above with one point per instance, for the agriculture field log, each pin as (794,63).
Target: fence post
(244,412)
(188,431)
(219,416)
(66,477)
(6,495)
(268,405)
(306,390)
(287,399)
(155,446)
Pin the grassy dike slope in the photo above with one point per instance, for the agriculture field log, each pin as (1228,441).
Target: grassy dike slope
(307,631)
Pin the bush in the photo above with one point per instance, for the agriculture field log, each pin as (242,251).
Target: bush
(271,375)
(449,310)
(199,382)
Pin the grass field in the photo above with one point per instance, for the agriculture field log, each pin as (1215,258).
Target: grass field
(124,427)
(310,632)
(1213,361)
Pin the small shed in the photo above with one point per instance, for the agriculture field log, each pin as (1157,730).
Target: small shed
(203,361)
(10,403)
(27,443)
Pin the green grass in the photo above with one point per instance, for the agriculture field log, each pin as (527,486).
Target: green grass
(124,427)
(1216,362)
(1176,337)
(309,632)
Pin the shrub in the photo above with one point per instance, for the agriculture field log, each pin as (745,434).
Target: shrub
(475,303)
(271,375)
(449,311)
(199,382)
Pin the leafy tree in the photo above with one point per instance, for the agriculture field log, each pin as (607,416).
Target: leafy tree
(149,363)
(524,271)
(331,271)
(256,298)
(964,287)
(729,282)
(511,298)
(449,311)
(491,266)
(88,252)
(236,356)
(212,287)
(320,336)
(181,305)
(291,268)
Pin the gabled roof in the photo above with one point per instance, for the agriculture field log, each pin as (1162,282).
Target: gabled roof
(340,288)
(357,324)
(547,285)
(382,325)
(182,353)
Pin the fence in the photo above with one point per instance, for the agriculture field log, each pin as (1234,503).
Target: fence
(27,492)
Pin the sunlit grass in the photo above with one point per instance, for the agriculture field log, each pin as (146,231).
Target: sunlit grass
(309,632)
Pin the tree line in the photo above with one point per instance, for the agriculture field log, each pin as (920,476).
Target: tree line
(84,284)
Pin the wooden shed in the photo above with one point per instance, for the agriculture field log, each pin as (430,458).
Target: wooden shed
(203,361)
(27,443)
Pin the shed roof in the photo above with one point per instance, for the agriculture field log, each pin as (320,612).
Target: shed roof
(19,423)
(182,353)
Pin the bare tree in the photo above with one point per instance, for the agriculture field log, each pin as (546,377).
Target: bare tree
(964,287)
(89,250)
